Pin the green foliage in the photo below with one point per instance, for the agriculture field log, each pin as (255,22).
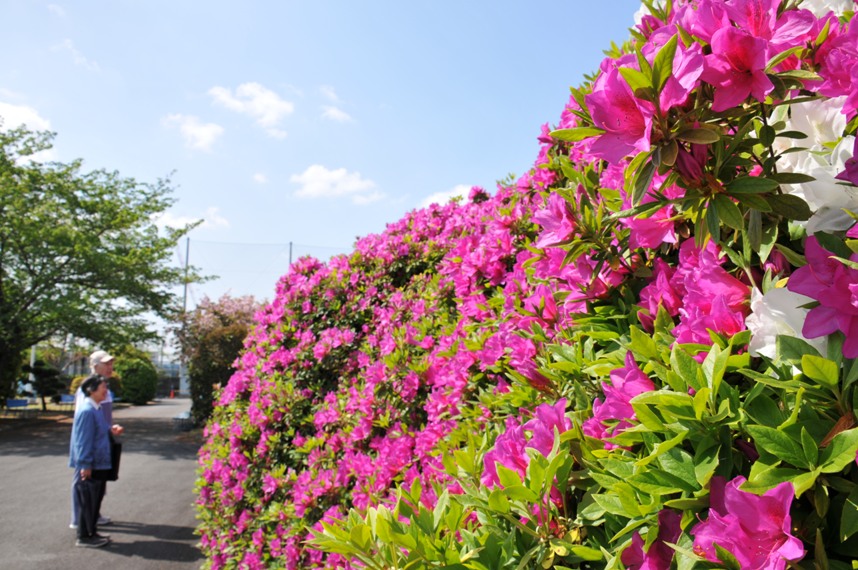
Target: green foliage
(79,252)
(139,379)
(47,380)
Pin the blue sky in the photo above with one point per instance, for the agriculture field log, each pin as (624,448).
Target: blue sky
(312,122)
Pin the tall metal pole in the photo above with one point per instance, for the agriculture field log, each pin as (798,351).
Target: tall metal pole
(187,258)
(184,387)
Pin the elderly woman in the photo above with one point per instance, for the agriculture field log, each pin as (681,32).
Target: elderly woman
(90,450)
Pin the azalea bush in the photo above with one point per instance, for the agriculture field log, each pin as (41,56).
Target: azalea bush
(641,354)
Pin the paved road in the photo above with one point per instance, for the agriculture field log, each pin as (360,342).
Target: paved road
(151,504)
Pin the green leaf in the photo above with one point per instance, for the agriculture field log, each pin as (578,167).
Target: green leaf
(635,78)
(657,482)
(778,444)
(777,58)
(662,66)
(643,344)
(755,229)
(642,182)
(790,206)
(751,185)
(586,553)
(822,370)
(792,178)
(705,463)
(576,134)
(662,448)
(699,136)
(361,536)
(729,212)
(726,557)
(810,447)
(755,202)
(800,74)
(687,368)
(792,350)
(849,517)
(498,501)
(713,223)
(521,493)
(795,259)
(840,452)
(507,477)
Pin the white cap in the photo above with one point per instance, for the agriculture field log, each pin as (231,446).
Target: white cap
(99,357)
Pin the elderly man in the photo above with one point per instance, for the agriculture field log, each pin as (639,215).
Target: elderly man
(90,450)
(101,365)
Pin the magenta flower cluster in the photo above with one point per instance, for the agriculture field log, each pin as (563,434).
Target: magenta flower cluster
(365,370)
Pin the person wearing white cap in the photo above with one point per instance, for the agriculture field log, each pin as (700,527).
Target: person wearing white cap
(101,364)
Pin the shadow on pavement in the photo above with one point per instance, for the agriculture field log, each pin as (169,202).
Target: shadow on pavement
(169,544)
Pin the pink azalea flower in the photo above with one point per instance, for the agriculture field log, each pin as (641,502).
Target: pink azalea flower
(659,555)
(760,19)
(659,291)
(838,60)
(835,286)
(614,415)
(736,68)
(547,417)
(703,18)
(627,120)
(713,300)
(850,174)
(556,221)
(753,528)
(509,452)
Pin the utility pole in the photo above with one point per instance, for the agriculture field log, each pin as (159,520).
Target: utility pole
(184,386)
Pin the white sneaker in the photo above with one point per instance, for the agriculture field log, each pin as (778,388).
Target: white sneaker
(104,520)
(72,525)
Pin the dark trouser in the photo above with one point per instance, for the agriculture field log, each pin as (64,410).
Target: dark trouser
(89,494)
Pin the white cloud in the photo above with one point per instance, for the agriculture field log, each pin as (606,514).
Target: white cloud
(211,220)
(197,135)
(335,114)
(57,10)
(14,116)
(329,93)
(261,104)
(78,58)
(441,198)
(319,182)
(260,178)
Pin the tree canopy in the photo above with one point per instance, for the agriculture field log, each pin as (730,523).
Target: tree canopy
(80,253)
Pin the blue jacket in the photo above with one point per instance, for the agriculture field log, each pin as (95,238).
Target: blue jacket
(90,442)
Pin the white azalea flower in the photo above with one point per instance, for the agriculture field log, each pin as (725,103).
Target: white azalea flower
(821,7)
(820,120)
(778,312)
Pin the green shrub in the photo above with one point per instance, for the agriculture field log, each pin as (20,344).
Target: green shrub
(139,380)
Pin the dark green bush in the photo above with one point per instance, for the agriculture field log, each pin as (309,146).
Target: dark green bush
(139,380)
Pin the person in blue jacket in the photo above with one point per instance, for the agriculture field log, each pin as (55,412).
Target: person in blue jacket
(101,364)
(89,449)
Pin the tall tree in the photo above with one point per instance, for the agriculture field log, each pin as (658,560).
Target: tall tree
(80,253)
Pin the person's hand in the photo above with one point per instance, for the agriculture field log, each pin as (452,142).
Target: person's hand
(117,429)
(85,474)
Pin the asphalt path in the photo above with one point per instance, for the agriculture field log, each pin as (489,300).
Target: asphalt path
(151,504)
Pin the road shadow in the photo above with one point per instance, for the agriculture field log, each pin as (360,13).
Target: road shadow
(164,543)
(157,437)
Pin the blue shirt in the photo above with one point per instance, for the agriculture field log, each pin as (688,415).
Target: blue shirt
(90,443)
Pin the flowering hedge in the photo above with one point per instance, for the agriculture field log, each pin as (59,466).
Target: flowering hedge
(640,355)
